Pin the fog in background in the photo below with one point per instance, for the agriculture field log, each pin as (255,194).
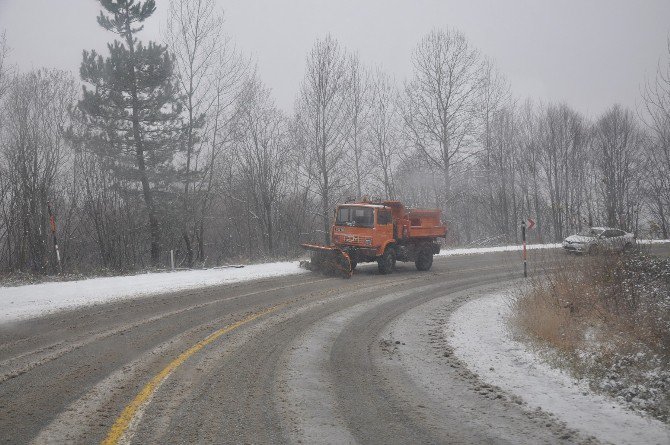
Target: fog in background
(589,54)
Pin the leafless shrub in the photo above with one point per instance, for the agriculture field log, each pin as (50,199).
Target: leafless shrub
(609,319)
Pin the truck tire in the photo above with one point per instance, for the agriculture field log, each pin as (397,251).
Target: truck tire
(424,260)
(386,262)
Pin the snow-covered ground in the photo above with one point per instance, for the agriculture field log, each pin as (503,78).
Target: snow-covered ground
(653,241)
(479,333)
(38,299)
(33,300)
(518,247)
(513,248)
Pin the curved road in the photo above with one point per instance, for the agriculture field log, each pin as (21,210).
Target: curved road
(298,359)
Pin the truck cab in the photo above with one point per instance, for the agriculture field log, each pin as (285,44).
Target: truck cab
(366,227)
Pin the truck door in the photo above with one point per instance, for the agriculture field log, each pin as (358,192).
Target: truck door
(384,225)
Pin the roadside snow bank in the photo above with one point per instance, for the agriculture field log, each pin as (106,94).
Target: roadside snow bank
(478,332)
(38,299)
(518,247)
(653,241)
(475,250)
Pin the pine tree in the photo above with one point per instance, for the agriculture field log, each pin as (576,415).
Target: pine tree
(133,106)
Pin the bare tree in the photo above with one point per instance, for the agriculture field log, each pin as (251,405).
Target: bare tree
(33,151)
(263,153)
(4,71)
(210,73)
(656,115)
(383,132)
(495,96)
(563,135)
(193,34)
(358,92)
(441,100)
(502,171)
(657,188)
(529,166)
(618,144)
(656,106)
(323,118)
(231,72)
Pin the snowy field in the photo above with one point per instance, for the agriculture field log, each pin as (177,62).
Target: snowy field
(480,337)
(33,300)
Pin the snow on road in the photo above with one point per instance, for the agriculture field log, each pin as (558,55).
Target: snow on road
(479,333)
(38,299)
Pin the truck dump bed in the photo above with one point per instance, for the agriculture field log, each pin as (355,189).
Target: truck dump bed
(425,223)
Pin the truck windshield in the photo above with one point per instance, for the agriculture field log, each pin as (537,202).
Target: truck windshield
(355,216)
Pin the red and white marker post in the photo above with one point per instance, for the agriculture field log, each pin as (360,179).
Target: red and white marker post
(52,223)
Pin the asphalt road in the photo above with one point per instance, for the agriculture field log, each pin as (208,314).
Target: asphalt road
(298,359)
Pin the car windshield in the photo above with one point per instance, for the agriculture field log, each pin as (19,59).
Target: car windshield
(355,216)
(590,232)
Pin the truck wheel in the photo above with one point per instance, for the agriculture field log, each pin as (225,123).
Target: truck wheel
(386,261)
(424,260)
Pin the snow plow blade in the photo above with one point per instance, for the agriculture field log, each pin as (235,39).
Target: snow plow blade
(328,260)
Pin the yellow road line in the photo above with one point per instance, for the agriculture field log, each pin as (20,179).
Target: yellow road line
(129,412)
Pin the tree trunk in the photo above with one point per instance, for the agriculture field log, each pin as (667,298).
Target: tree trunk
(187,179)
(154,228)
(447,188)
(270,228)
(326,218)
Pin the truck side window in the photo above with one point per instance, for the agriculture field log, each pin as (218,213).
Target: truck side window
(383,217)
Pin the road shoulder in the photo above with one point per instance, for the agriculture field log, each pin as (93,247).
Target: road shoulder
(420,366)
(479,333)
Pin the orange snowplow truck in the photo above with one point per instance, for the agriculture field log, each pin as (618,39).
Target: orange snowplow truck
(384,232)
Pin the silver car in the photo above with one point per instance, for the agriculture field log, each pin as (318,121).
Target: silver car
(599,239)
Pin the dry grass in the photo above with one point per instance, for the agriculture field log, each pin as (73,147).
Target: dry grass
(608,317)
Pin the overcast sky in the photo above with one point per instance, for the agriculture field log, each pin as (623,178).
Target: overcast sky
(589,54)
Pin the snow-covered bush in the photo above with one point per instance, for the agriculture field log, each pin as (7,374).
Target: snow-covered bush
(608,319)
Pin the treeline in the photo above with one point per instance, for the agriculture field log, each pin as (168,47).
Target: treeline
(179,145)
